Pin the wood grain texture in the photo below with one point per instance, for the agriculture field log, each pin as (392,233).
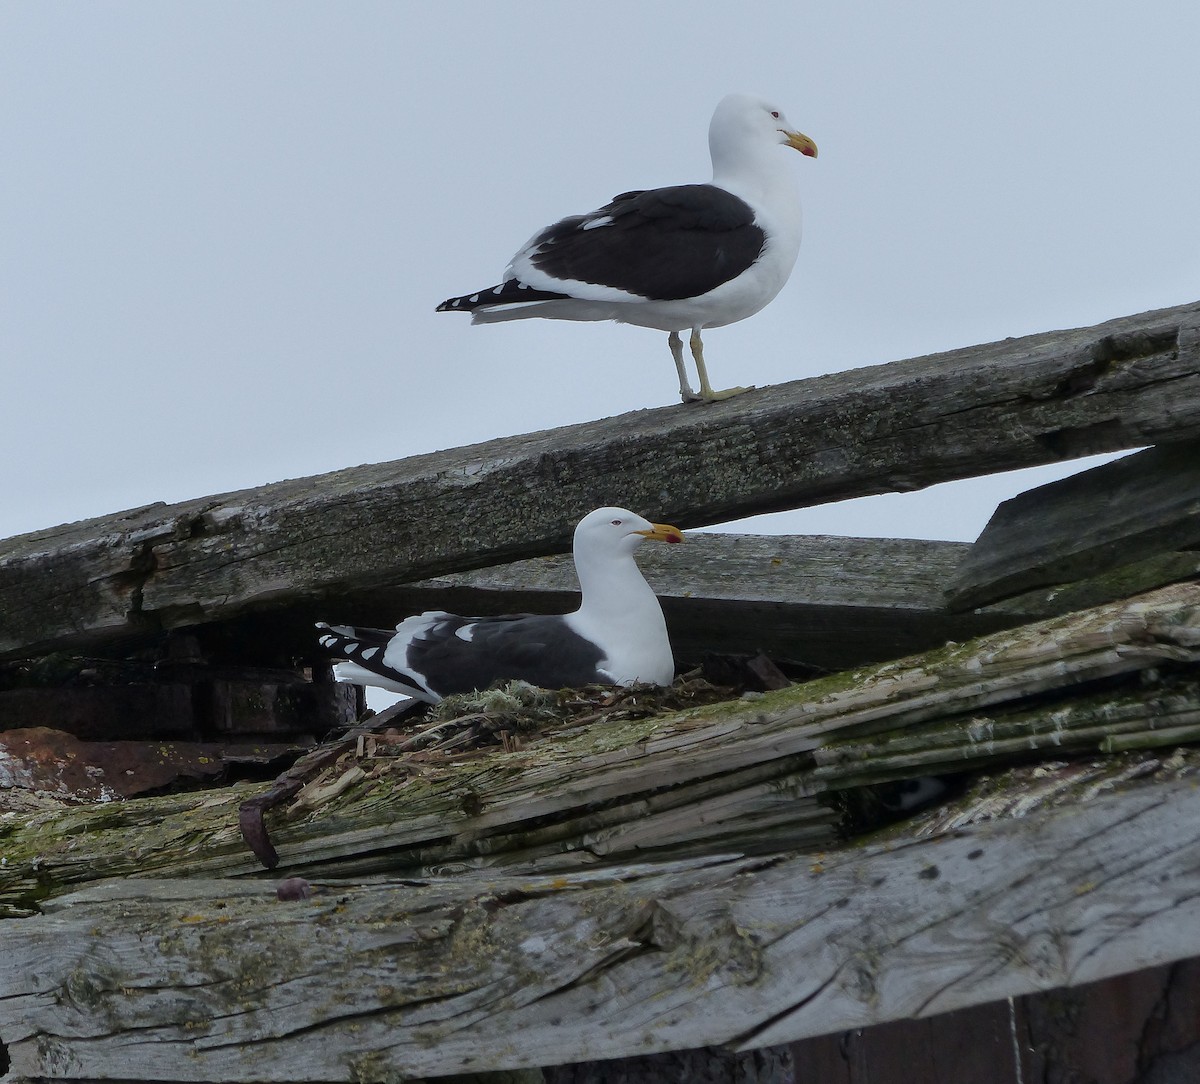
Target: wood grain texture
(902,426)
(222,981)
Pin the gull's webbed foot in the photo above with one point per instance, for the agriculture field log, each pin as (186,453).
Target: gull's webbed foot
(708,395)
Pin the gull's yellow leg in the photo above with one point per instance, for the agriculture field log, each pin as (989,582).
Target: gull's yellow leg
(706,390)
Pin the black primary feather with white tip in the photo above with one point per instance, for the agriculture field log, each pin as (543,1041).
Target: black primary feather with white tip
(689,256)
(617,636)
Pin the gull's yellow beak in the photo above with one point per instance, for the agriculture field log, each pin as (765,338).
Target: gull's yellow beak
(798,141)
(663,532)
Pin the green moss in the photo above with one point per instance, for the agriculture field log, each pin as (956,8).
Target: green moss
(447,798)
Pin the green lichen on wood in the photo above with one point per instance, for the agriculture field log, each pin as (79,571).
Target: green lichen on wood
(737,775)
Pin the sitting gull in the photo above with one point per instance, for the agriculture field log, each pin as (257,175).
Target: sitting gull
(690,256)
(616,637)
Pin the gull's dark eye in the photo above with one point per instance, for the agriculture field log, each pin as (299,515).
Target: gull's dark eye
(774,114)
(617,522)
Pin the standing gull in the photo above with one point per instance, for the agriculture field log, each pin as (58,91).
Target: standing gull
(690,256)
(616,637)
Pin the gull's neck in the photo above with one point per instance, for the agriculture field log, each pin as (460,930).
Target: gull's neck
(612,585)
(758,172)
(621,614)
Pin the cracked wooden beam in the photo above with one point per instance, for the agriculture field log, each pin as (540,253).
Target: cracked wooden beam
(220,980)
(902,426)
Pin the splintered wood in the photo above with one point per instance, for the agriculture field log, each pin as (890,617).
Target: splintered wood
(747,776)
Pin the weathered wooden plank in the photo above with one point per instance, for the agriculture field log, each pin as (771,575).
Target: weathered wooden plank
(1117,514)
(221,981)
(829,602)
(752,776)
(1122,384)
(1123,582)
(1129,1028)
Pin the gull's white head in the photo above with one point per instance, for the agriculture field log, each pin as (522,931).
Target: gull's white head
(618,530)
(742,121)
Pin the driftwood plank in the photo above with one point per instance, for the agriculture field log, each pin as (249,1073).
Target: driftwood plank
(1122,384)
(1117,514)
(221,981)
(752,776)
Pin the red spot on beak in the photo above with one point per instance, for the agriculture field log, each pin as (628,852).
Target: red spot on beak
(674,538)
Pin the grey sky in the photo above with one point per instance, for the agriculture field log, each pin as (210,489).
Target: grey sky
(226,225)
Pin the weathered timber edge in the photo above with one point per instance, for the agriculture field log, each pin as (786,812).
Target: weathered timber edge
(1125,383)
(220,981)
(1112,515)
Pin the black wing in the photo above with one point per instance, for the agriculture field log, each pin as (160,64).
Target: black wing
(663,244)
(541,650)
